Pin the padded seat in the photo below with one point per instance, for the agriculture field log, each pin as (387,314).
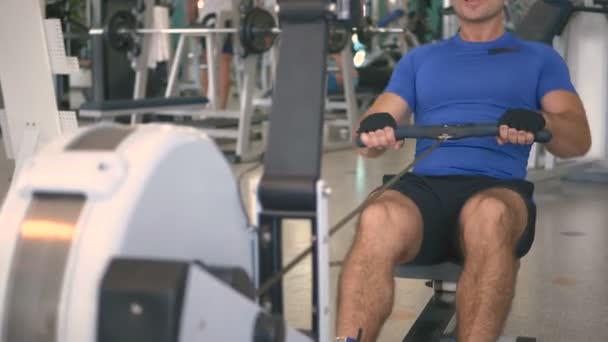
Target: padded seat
(446,271)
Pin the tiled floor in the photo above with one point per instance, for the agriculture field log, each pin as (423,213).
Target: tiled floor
(562,292)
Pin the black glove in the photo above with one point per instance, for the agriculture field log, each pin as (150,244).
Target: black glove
(376,122)
(523,120)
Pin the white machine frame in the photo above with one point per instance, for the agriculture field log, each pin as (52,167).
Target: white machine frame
(120,174)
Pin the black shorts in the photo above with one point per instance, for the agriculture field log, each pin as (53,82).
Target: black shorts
(440,200)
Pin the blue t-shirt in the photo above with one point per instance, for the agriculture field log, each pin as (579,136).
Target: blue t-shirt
(457,82)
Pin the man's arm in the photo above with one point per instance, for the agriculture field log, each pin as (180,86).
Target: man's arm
(399,109)
(566,118)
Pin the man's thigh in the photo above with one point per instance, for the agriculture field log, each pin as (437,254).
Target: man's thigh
(440,200)
(515,196)
(437,234)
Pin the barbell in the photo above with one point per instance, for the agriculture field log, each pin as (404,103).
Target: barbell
(257,32)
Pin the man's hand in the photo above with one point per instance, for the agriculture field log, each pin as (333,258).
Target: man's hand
(378,132)
(381,139)
(518,126)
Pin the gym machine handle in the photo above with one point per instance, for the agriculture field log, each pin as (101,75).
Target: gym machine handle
(449,132)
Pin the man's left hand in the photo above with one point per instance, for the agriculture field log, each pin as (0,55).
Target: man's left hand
(518,126)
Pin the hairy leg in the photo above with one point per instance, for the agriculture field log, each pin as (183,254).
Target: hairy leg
(492,222)
(204,77)
(225,79)
(389,232)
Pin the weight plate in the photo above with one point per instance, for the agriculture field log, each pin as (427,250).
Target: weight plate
(338,36)
(121,31)
(256,31)
(364,34)
(209,20)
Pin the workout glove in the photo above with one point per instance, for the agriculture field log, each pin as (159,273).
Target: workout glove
(375,122)
(523,120)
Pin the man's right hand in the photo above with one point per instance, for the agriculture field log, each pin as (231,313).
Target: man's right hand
(377,131)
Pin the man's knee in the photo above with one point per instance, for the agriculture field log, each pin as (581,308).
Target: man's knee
(392,224)
(491,221)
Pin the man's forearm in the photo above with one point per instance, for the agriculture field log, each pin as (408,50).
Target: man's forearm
(571,135)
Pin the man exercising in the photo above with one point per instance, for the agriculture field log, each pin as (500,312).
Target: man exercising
(469,199)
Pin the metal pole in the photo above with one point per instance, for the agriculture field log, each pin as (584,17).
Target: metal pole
(205,31)
(175,66)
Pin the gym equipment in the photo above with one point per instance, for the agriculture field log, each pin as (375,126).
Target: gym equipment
(120,267)
(119,22)
(91,229)
(339,36)
(257,31)
(437,320)
(548,18)
(203,112)
(257,35)
(37,53)
(447,132)
(342,109)
(365,31)
(545,20)
(108,110)
(95,202)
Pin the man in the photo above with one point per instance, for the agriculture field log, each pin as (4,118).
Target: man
(468,199)
(206,8)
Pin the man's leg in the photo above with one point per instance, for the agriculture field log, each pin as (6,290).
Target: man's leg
(492,223)
(204,74)
(389,232)
(225,79)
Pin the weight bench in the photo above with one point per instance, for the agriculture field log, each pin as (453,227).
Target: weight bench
(437,321)
(105,110)
(194,107)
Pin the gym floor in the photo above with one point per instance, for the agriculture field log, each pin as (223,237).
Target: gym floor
(562,292)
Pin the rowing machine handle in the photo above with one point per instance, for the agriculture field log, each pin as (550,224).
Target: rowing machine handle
(454,132)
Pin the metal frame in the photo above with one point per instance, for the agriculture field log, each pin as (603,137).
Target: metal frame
(270,257)
(140,64)
(35,55)
(437,321)
(321,261)
(290,186)
(214,43)
(109,115)
(349,105)
(244,150)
